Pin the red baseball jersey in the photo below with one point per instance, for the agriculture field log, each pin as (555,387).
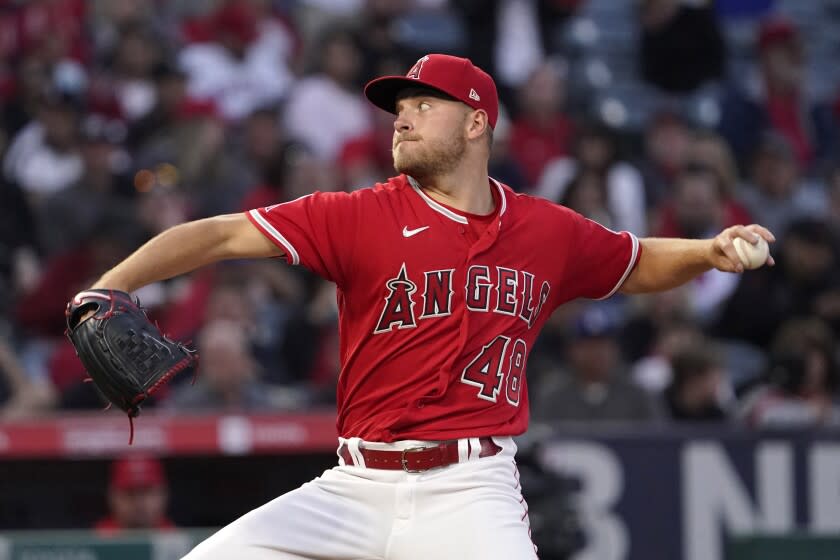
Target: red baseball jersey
(436,322)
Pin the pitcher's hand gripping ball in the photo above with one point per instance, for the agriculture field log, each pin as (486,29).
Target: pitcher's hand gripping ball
(752,255)
(125,354)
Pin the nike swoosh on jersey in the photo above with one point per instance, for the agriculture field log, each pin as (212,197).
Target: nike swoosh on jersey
(410,232)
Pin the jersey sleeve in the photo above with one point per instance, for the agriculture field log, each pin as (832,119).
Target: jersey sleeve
(600,259)
(315,231)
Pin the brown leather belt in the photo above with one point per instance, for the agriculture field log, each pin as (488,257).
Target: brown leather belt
(416,459)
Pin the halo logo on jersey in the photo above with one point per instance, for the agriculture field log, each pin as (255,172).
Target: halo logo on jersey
(399,307)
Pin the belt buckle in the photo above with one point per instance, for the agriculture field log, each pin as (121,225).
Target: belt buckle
(404,461)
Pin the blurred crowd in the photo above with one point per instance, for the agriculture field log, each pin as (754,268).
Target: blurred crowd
(661,117)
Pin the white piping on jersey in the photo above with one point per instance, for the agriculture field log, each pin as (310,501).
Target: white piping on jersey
(255,213)
(501,196)
(633,255)
(446,211)
(435,205)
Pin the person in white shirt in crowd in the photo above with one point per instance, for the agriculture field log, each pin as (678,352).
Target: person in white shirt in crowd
(245,67)
(44,157)
(325,109)
(595,150)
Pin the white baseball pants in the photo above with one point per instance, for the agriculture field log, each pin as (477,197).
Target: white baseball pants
(472,510)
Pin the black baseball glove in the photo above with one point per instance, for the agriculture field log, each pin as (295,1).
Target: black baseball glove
(124,353)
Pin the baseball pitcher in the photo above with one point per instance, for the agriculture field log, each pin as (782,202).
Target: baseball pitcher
(444,279)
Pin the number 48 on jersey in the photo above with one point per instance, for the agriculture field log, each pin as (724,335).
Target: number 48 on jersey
(498,361)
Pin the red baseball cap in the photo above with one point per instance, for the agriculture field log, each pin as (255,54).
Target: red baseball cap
(452,75)
(777,31)
(137,472)
(237,19)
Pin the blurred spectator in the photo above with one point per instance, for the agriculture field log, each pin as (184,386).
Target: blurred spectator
(108,19)
(667,145)
(805,280)
(698,390)
(262,140)
(803,379)
(681,44)
(654,371)
(228,377)
(595,387)
(171,106)
(834,197)
(511,38)
(43,157)
(137,496)
(21,395)
(365,160)
(649,316)
(699,210)
(709,148)
(541,130)
(313,16)
(128,88)
(40,311)
(31,82)
(19,264)
(325,109)
(699,205)
(240,62)
(382,52)
(67,217)
(502,166)
(595,159)
(777,195)
(282,175)
(587,194)
(778,99)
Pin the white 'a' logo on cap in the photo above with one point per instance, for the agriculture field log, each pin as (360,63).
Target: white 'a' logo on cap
(414,73)
(474,95)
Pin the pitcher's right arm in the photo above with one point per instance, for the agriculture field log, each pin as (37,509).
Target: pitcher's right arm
(186,247)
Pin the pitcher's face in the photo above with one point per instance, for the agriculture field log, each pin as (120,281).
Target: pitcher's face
(430,135)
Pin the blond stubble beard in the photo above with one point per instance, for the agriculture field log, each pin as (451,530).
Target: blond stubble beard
(431,160)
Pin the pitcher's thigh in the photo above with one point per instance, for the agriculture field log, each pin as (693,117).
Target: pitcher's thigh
(470,526)
(310,522)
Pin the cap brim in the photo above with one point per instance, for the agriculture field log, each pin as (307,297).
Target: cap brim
(383,91)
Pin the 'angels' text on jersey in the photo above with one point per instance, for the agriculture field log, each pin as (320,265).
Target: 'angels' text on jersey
(506,291)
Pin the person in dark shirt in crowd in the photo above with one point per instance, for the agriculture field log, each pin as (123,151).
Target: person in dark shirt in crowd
(667,148)
(698,204)
(541,131)
(681,45)
(697,389)
(802,380)
(777,99)
(228,376)
(596,386)
(778,193)
(137,496)
(805,280)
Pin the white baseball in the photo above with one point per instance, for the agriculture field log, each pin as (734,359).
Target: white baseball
(751,255)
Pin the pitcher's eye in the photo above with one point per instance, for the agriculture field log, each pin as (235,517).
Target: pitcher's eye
(424,106)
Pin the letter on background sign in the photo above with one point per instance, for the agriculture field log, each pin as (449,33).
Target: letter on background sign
(715,498)
(824,478)
(602,481)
